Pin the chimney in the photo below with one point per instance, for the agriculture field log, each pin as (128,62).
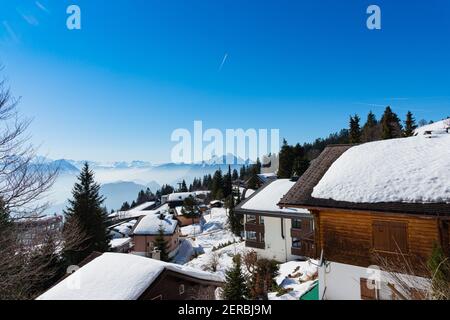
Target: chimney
(156,254)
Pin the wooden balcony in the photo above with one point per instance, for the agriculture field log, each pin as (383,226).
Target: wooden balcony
(256,227)
(306,249)
(255,244)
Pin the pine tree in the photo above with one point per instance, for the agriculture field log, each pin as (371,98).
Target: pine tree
(86,209)
(410,125)
(285,161)
(235,285)
(217,186)
(228,184)
(234,220)
(371,129)
(190,208)
(235,175)
(390,125)
(162,244)
(263,279)
(354,130)
(183,187)
(300,166)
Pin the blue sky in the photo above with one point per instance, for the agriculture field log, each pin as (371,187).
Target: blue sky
(139,69)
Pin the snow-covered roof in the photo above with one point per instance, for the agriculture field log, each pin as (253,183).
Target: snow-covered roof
(268,197)
(180,196)
(118,242)
(117,276)
(409,170)
(151,223)
(133,212)
(436,127)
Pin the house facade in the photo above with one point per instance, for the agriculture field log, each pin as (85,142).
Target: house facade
(273,232)
(371,227)
(147,230)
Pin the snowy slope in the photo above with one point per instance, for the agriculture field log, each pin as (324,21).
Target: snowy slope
(413,170)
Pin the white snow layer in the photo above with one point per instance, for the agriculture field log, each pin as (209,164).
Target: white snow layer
(296,276)
(151,223)
(268,198)
(411,170)
(437,127)
(116,276)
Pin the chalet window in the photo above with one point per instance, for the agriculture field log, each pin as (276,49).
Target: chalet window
(390,236)
(181,289)
(251,235)
(251,218)
(261,219)
(296,224)
(296,243)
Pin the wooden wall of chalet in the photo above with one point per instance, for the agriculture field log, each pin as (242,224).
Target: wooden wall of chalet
(174,286)
(347,237)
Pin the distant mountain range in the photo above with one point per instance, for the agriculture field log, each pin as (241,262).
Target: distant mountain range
(121,181)
(67,165)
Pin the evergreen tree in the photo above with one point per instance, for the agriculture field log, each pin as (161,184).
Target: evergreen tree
(234,220)
(228,184)
(235,175)
(390,125)
(190,208)
(371,129)
(235,285)
(286,159)
(86,209)
(162,244)
(263,279)
(217,185)
(410,125)
(183,187)
(300,166)
(354,130)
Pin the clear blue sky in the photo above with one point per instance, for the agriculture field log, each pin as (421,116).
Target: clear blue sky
(139,69)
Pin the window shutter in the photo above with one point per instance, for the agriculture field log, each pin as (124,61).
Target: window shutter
(381,236)
(399,237)
(366,292)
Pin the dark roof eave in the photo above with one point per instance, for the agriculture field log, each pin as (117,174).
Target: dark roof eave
(438,209)
(279,214)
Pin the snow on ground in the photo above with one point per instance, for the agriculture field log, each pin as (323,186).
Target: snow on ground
(185,252)
(116,276)
(297,277)
(414,170)
(224,257)
(211,233)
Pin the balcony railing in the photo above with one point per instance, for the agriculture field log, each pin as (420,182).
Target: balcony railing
(255,244)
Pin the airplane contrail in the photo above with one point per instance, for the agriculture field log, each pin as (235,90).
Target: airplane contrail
(223,61)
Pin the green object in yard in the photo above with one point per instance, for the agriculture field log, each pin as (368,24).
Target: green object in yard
(312,294)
